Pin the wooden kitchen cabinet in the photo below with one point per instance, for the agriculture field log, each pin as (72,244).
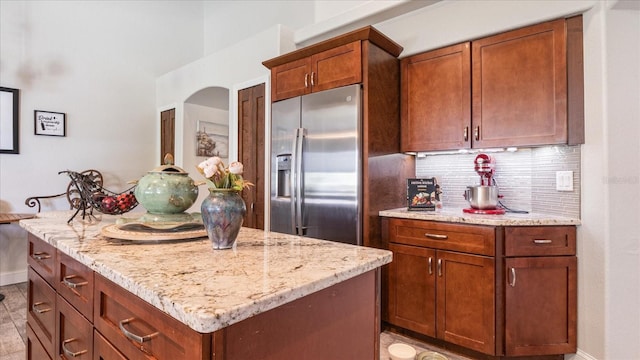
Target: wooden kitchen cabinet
(328,69)
(444,287)
(436,99)
(540,291)
(518,88)
(501,291)
(41,299)
(139,331)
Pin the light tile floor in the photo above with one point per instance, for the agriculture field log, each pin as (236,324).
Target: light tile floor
(13,322)
(13,318)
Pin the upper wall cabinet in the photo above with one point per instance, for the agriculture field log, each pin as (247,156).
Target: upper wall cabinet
(526,89)
(332,68)
(329,64)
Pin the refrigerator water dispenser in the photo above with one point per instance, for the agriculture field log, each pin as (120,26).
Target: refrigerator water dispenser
(284,175)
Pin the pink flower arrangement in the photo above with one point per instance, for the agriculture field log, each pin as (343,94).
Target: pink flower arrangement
(218,176)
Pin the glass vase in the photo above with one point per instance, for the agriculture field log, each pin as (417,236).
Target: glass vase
(222,214)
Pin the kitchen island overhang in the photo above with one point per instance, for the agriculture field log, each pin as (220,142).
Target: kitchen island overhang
(210,290)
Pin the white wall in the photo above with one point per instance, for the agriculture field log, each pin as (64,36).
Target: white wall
(96,61)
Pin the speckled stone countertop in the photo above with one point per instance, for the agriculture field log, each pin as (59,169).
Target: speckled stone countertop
(203,288)
(458,216)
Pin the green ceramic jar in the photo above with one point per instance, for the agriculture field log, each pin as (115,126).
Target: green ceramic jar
(167,189)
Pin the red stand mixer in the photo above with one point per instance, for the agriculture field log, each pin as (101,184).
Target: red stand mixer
(483,198)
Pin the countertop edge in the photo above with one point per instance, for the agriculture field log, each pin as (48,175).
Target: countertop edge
(457,216)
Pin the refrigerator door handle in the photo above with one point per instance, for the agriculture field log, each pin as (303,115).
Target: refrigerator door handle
(292,182)
(300,134)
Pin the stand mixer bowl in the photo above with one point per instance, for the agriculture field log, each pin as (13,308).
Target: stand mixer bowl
(482,197)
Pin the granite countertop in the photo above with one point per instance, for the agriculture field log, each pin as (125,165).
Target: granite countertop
(203,288)
(458,216)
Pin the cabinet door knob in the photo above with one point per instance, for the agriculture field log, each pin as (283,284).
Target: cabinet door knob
(542,241)
(430,265)
(137,338)
(439,267)
(69,352)
(312,76)
(35,306)
(436,236)
(41,255)
(73,285)
(476,133)
(306,80)
(512,282)
(466,133)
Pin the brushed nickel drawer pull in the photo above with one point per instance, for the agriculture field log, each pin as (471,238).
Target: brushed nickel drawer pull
(466,133)
(312,76)
(430,265)
(476,133)
(306,80)
(41,255)
(132,336)
(69,352)
(512,283)
(34,307)
(542,241)
(439,267)
(73,285)
(436,236)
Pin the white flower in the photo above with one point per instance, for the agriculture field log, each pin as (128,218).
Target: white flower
(236,168)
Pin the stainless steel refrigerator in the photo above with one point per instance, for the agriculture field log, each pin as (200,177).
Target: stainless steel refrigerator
(316,165)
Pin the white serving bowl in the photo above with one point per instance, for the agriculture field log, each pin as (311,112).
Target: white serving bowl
(400,351)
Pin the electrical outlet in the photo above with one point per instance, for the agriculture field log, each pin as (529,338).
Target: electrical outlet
(564,180)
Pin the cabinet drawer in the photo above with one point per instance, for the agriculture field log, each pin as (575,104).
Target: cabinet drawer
(75,333)
(472,239)
(139,330)
(75,284)
(42,258)
(540,240)
(41,310)
(103,350)
(35,350)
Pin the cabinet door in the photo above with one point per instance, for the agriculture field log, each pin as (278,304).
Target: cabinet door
(75,284)
(75,333)
(466,300)
(141,331)
(41,311)
(540,305)
(520,87)
(336,67)
(35,350)
(412,289)
(103,350)
(436,99)
(291,79)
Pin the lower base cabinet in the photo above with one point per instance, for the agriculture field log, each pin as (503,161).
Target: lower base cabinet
(499,291)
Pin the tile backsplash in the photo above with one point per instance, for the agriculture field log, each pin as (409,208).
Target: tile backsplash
(526,178)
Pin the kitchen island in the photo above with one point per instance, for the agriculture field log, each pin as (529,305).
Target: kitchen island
(272,296)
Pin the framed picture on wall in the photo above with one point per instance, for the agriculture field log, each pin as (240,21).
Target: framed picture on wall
(9,120)
(212,139)
(50,123)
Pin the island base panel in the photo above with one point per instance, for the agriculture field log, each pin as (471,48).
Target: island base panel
(340,322)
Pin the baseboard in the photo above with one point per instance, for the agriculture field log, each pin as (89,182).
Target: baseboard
(15,277)
(579,355)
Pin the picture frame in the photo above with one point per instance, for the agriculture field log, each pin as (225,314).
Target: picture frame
(9,120)
(212,139)
(49,123)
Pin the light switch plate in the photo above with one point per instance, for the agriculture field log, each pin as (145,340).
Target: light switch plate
(564,180)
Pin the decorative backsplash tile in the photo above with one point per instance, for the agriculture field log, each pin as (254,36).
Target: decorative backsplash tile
(526,178)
